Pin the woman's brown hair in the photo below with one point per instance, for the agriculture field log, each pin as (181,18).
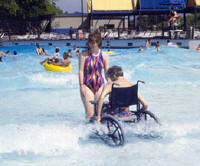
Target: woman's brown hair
(95,37)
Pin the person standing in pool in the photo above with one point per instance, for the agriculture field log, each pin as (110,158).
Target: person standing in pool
(148,43)
(14,55)
(158,46)
(91,64)
(1,54)
(140,49)
(39,50)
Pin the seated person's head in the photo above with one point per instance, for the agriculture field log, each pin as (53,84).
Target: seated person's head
(114,72)
(65,55)
(15,52)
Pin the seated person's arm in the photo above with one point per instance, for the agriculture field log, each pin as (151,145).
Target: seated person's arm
(142,101)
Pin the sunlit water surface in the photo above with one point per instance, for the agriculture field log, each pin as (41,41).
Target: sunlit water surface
(42,116)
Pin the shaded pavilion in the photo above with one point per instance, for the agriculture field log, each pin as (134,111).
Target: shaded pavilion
(99,9)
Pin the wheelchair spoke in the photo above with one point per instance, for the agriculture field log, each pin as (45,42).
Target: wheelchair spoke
(114,135)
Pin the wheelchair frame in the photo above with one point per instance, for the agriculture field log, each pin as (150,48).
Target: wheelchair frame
(113,134)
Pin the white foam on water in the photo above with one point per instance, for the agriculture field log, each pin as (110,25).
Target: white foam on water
(54,79)
(41,111)
(48,139)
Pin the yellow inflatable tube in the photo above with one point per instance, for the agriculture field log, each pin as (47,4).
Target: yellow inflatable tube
(173,45)
(109,52)
(51,67)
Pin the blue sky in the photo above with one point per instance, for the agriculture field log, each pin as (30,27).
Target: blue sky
(70,5)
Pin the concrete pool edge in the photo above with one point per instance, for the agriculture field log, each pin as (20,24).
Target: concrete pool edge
(116,43)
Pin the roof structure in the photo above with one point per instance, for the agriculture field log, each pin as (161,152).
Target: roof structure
(129,7)
(111,7)
(193,6)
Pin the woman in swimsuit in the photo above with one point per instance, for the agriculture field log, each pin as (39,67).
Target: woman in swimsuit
(91,64)
(115,75)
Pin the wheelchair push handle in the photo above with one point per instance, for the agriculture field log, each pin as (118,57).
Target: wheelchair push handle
(140,81)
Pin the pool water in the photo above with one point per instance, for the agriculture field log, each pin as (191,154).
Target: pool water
(42,116)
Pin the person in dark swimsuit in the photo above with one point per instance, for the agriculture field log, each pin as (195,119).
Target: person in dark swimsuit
(1,54)
(91,64)
(115,75)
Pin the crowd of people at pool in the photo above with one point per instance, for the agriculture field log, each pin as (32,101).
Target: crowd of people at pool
(92,62)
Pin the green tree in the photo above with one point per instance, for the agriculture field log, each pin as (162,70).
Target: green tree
(22,16)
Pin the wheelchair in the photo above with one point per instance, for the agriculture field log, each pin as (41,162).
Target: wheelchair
(112,132)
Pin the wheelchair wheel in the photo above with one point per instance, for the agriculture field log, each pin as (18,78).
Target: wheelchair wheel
(112,134)
(146,116)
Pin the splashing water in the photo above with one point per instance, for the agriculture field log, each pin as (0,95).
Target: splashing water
(42,115)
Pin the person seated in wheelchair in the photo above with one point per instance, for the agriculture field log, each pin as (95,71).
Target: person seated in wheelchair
(115,78)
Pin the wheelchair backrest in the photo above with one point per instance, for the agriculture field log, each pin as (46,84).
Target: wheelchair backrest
(124,96)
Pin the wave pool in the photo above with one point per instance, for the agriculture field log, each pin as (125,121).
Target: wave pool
(42,115)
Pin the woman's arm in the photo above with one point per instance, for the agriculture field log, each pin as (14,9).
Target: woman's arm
(81,71)
(142,101)
(106,62)
(105,92)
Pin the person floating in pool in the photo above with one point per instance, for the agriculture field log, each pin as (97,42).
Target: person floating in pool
(75,48)
(140,49)
(65,62)
(77,53)
(54,59)
(56,55)
(198,48)
(148,43)
(7,53)
(116,75)
(70,53)
(169,43)
(158,46)
(14,55)
(4,54)
(91,64)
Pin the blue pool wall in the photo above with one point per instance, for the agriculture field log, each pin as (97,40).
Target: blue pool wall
(186,43)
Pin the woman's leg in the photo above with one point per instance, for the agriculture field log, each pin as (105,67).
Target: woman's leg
(98,93)
(89,108)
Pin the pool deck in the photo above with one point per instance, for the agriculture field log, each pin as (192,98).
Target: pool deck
(112,43)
